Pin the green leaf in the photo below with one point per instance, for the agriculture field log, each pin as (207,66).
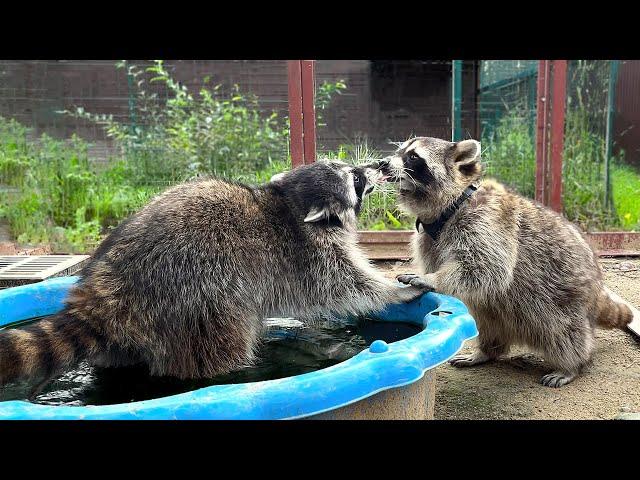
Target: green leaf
(394,221)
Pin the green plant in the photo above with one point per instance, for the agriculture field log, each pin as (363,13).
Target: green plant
(14,153)
(324,96)
(625,183)
(184,135)
(56,195)
(509,152)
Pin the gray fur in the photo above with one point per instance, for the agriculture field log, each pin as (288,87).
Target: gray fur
(525,272)
(184,285)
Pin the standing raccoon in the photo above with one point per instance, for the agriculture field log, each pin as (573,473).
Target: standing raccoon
(525,272)
(183,285)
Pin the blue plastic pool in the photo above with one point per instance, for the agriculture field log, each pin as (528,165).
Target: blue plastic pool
(380,367)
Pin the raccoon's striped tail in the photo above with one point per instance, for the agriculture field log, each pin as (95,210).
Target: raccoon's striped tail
(615,312)
(45,348)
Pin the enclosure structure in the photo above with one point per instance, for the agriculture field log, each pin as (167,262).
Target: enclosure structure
(540,92)
(582,157)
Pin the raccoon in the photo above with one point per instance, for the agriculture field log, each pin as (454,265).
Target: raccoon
(184,284)
(525,272)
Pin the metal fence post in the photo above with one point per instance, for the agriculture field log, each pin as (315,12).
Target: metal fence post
(542,114)
(558,99)
(551,102)
(456,100)
(308,110)
(296,145)
(611,110)
(302,115)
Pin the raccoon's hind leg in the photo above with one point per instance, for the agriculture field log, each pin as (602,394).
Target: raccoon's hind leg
(557,379)
(493,341)
(216,343)
(569,349)
(475,358)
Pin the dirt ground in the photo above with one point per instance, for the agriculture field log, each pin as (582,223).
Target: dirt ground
(510,388)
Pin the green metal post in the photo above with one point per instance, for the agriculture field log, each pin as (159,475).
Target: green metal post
(531,113)
(456,100)
(611,110)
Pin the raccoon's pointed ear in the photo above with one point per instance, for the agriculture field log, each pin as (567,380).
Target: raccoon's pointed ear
(466,152)
(278,176)
(316,214)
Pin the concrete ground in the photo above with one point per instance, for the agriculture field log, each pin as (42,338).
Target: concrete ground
(510,388)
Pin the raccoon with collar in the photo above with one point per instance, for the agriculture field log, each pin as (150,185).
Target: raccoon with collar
(525,272)
(184,284)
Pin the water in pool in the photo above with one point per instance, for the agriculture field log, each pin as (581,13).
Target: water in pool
(290,348)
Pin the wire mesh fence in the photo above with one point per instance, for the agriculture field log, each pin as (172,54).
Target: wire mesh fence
(600,189)
(507,112)
(585,162)
(141,126)
(173,122)
(386,102)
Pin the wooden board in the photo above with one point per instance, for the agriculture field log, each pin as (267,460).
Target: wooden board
(394,244)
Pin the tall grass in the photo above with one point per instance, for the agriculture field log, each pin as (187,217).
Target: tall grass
(625,186)
(54,195)
(509,152)
(510,158)
(57,198)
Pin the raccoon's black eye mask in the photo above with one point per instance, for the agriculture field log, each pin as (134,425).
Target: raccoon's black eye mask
(359,183)
(417,168)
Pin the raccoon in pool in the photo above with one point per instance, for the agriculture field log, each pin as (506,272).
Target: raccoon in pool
(182,285)
(291,347)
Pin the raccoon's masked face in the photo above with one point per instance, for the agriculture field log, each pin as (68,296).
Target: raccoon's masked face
(329,192)
(432,171)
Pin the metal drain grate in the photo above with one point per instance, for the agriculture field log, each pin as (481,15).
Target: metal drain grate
(17,269)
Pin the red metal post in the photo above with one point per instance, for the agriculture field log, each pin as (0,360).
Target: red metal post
(308,110)
(542,137)
(558,99)
(296,142)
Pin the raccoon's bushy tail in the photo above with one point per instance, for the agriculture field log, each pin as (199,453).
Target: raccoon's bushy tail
(614,311)
(45,348)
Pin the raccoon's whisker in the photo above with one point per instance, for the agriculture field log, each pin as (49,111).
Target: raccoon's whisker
(413,180)
(386,191)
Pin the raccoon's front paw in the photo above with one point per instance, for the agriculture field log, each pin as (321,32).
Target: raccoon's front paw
(475,358)
(557,379)
(416,281)
(407,294)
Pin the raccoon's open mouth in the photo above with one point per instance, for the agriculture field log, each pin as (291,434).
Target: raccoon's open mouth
(391,174)
(385,172)
(376,177)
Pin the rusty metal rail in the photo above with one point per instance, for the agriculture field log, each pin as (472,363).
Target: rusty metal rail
(394,245)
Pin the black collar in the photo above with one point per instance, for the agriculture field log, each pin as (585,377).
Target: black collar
(433,229)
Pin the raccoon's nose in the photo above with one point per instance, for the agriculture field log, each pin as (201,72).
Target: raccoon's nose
(384,165)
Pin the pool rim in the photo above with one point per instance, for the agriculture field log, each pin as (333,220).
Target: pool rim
(439,341)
